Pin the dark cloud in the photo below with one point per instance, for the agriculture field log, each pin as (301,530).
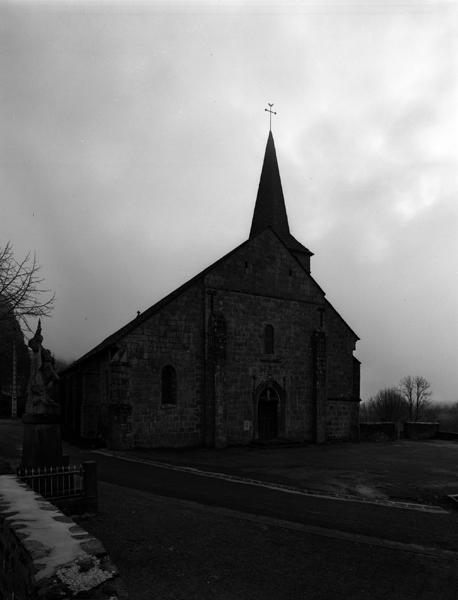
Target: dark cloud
(132,142)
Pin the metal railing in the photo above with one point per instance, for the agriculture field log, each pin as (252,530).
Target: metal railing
(61,481)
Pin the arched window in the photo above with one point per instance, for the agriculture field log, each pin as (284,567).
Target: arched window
(268,339)
(168,385)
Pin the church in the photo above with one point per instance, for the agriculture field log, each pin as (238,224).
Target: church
(247,351)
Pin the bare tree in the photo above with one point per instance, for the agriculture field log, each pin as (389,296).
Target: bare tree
(406,387)
(21,292)
(417,392)
(387,405)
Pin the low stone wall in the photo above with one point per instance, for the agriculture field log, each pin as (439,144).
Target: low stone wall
(417,430)
(389,430)
(447,435)
(342,419)
(46,555)
(379,431)
(5,467)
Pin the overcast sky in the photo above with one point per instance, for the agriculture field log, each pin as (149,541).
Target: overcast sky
(132,139)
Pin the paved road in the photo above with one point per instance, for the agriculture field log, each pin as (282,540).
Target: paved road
(408,526)
(170,549)
(265,544)
(177,535)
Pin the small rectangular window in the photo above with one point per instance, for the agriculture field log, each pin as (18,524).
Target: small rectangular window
(268,339)
(168,385)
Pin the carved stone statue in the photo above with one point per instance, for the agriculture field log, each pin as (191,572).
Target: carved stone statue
(42,377)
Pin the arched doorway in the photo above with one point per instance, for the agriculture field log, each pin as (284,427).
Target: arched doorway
(268,407)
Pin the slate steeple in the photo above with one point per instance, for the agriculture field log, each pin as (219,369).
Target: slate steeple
(270,209)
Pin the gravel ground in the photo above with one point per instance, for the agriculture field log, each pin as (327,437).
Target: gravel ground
(171,549)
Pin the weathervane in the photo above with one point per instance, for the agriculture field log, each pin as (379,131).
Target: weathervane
(271,112)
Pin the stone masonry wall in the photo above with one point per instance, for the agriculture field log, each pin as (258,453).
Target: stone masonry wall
(90,406)
(268,287)
(342,420)
(340,347)
(247,366)
(264,266)
(173,336)
(258,284)
(45,555)
(84,395)
(320,377)
(119,395)
(263,284)
(417,430)
(342,411)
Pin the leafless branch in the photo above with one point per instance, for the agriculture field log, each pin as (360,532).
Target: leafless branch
(417,391)
(21,290)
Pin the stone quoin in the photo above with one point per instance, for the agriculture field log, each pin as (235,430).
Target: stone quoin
(248,350)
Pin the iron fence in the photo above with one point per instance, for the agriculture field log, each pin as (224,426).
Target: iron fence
(54,482)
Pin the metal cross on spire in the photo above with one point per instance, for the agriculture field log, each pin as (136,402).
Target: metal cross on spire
(271,112)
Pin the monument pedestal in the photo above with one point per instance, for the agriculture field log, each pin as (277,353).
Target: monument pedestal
(42,442)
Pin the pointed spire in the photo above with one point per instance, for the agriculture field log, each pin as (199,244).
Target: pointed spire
(270,210)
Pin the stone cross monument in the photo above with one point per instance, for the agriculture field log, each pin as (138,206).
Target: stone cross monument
(42,445)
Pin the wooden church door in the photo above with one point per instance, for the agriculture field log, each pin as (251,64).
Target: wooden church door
(268,414)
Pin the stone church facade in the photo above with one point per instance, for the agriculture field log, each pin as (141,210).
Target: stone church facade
(248,350)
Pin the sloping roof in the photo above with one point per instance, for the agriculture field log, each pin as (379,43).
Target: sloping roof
(145,315)
(131,325)
(341,318)
(269,213)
